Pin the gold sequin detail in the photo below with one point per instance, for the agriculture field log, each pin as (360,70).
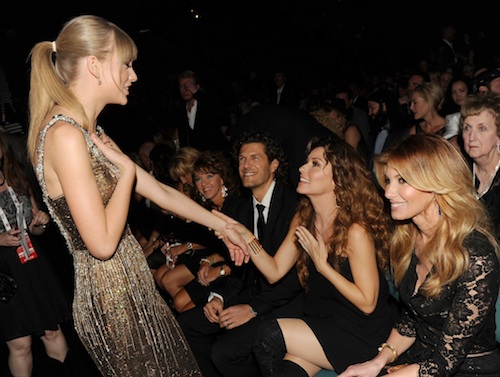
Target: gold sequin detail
(123,322)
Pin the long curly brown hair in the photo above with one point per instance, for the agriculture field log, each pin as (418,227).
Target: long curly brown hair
(359,203)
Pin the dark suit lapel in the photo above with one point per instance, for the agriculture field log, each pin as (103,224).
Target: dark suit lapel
(274,212)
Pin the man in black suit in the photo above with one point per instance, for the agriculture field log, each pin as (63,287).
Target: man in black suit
(201,119)
(286,94)
(245,298)
(292,128)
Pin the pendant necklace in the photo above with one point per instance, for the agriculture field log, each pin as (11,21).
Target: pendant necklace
(488,183)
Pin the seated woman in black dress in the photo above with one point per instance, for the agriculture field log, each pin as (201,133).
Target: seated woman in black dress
(445,260)
(338,241)
(199,254)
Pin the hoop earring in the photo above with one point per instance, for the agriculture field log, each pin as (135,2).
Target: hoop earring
(223,191)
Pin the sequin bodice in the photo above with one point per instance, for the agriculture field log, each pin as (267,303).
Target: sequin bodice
(124,323)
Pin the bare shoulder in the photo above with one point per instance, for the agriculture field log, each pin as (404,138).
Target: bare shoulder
(357,231)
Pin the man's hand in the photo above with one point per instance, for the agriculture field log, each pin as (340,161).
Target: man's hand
(212,310)
(235,316)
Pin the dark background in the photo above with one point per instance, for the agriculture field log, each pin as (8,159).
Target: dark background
(223,41)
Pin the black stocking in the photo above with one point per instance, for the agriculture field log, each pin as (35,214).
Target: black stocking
(269,349)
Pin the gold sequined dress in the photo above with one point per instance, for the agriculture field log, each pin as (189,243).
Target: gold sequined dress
(123,322)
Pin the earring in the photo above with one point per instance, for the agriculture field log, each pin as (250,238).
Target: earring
(99,82)
(224,191)
(203,199)
(498,149)
(439,211)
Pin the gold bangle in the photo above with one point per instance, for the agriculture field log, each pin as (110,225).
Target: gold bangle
(206,260)
(392,348)
(255,246)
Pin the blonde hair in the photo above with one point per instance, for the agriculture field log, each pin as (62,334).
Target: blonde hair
(432,94)
(55,65)
(430,163)
(182,162)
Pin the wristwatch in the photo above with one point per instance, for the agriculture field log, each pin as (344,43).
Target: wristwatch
(222,271)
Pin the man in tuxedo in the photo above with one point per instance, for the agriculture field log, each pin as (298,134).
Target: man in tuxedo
(201,119)
(445,56)
(245,296)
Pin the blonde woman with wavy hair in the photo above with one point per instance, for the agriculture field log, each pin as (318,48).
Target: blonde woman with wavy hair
(445,262)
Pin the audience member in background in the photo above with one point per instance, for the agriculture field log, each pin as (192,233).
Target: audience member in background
(142,216)
(201,118)
(445,263)
(143,153)
(39,305)
(221,332)
(338,242)
(286,94)
(458,90)
(481,135)
(445,78)
(181,165)
(159,158)
(355,115)
(445,56)
(415,79)
(204,258)
(488,81)
(426,101)
(388,123)
(333,115)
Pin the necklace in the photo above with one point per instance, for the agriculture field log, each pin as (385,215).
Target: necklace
(488,183)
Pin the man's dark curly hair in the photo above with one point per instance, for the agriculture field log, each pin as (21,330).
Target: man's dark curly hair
(271,148)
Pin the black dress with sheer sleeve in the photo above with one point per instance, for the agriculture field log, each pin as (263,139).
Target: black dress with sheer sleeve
(455,333)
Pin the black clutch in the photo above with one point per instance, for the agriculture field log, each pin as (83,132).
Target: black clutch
(8,287)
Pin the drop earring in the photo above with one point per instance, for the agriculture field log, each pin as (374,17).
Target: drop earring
(203,199)
(223,191)
(99,82)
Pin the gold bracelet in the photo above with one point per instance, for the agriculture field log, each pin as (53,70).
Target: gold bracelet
(206,260)
(255,246)
(392,348)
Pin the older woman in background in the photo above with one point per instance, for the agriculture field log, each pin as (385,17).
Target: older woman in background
(481,134)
